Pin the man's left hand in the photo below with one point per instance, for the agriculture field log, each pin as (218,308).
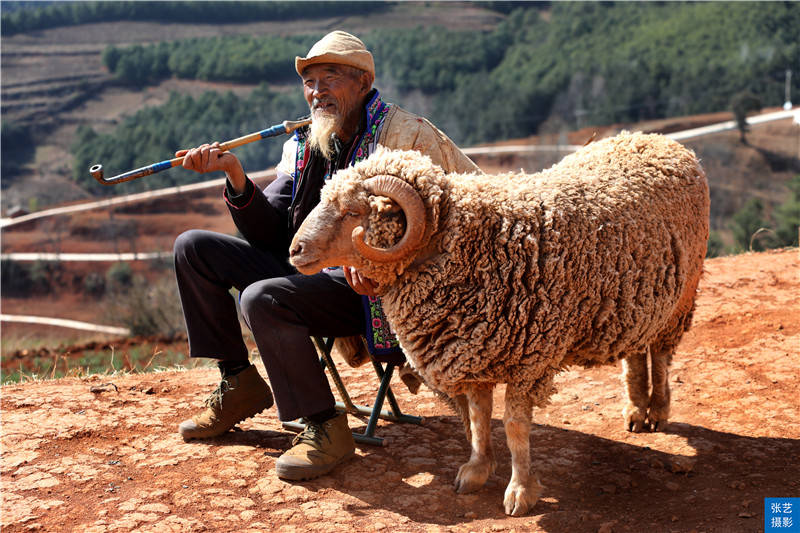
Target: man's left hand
(359,283)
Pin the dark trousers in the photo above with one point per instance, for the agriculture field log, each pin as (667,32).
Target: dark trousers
(281,307)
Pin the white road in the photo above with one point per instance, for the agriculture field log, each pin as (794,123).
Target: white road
(731,124)
(130,198)
(482,150)
(44,256)
(64,323)
(120,200)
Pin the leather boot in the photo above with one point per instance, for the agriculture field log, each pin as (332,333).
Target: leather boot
(237,398)
(317,450)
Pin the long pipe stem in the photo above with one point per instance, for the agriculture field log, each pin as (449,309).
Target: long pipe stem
(286,127)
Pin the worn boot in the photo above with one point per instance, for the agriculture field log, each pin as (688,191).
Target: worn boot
(317,450)
(237,398)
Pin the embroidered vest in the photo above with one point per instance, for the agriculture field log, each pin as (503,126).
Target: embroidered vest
(381,340)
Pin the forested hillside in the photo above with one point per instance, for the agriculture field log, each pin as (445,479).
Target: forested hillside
(37,15)
(537,68)
(583,63)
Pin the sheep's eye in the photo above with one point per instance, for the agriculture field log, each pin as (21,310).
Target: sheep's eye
(351,214)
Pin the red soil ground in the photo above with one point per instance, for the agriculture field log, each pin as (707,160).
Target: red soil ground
(101,453)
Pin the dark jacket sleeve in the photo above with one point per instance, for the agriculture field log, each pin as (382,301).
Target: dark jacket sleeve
(262,217)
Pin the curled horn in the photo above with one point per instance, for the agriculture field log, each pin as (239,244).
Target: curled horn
(410,202)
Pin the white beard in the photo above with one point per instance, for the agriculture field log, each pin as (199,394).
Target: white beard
(323,127)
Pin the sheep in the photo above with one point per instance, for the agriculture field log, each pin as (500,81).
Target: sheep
(512,278)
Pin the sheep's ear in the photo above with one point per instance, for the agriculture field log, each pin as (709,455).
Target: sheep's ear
(383,205)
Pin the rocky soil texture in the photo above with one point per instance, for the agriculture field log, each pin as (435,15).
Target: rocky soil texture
(102,453)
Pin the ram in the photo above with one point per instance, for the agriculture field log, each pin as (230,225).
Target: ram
(512,278)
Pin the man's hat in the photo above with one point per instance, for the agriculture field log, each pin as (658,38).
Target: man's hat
(341,48)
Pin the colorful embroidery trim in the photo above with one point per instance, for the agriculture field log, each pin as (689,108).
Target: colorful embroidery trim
(380,338)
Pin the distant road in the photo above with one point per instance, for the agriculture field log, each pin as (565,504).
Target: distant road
(486,150)
(119,200)
(46,256)
(64,323)
(129,198)
(731,124)
(520,149)
(483,150)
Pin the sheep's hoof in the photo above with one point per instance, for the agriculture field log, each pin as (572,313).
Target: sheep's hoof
(472,476)
(635,419)
(658,418)
(519,498)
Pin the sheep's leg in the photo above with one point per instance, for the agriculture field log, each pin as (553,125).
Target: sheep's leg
(637,386)
(474,473)
(658,414)
(461,407)
(524,488)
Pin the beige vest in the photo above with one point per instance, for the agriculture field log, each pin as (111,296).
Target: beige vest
(406,131)
(402,130)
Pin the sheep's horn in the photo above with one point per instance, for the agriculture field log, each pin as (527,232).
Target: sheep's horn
(410,202)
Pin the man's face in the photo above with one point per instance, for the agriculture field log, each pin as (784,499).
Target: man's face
(333,92)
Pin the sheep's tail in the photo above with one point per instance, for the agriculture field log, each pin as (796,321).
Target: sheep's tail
(352,350)
(458,404)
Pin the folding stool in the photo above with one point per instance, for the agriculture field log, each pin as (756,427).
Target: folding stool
(375,411)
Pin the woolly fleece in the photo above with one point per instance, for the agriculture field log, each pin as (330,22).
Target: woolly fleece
(521,275)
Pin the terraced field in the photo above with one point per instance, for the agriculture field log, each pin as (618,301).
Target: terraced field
(54,81)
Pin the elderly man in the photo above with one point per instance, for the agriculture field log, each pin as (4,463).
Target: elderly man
(281,307)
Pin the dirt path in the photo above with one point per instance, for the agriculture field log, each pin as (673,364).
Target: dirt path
(101,454)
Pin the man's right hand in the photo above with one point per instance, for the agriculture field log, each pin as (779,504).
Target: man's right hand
(358,282)
(209,158)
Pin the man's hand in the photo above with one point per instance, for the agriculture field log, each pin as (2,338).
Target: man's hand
(359,283)
(209,158)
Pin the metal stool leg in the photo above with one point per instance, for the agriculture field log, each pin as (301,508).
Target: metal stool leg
(375,412)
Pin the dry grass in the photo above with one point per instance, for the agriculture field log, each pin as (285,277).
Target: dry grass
(132,360)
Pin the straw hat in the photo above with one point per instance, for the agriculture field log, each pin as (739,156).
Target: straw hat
(341,48)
